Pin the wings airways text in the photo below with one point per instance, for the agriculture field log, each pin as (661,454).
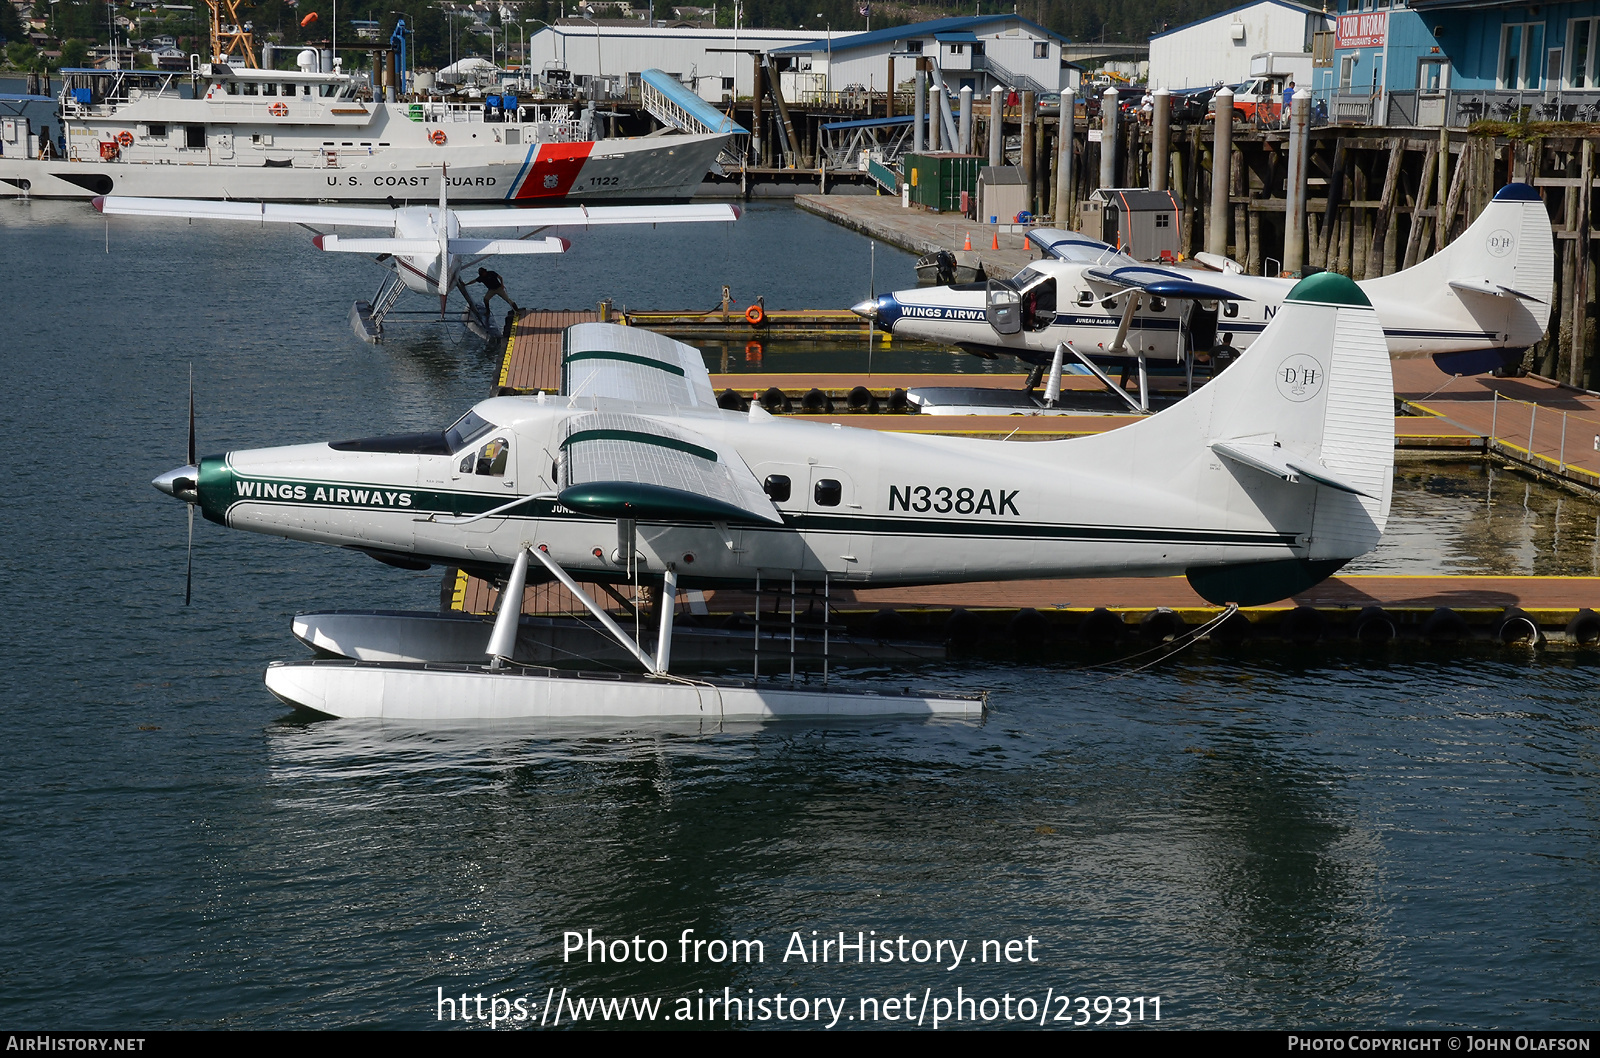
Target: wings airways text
(322,494)
(943,499)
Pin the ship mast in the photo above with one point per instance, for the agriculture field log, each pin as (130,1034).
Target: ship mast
(226,39)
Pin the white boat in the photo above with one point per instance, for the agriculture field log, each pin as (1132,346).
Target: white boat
(224,132)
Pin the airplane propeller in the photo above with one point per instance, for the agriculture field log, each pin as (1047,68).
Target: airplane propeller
(194,461)
(184,484)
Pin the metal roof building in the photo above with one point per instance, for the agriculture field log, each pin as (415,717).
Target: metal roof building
(976,50)
(1217,50)
(716,63)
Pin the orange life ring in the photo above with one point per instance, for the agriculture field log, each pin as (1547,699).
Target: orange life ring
(755,315)
(279,110)
(438,137)
(125,138)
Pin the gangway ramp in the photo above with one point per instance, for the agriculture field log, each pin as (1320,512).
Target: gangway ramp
(672,103)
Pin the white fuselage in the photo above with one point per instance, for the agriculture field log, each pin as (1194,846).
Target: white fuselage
(908,509)
(1089,314)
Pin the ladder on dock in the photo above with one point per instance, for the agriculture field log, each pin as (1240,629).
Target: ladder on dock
(671,103)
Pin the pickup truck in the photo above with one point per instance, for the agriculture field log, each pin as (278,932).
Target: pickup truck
(1260,99)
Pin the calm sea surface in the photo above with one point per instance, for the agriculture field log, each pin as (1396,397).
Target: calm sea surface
(1259,836)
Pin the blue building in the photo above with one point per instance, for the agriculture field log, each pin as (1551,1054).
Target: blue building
(1432,62)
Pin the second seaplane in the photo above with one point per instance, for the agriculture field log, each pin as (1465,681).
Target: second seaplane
(424,248)
(1255,487)
(1474,306)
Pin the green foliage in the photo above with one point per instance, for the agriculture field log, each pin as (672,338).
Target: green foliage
(10,23)
(74,53)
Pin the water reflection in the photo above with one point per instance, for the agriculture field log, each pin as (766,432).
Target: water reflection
(1482,517)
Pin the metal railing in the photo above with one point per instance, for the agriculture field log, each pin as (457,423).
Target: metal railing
(1548,445)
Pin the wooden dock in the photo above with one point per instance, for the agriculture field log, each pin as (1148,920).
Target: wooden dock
(1547,427)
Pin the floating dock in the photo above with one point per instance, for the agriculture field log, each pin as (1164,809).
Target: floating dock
(1543,426)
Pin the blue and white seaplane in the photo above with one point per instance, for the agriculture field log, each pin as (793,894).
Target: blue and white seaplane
(1475,306)
(423,248)
(1256,486)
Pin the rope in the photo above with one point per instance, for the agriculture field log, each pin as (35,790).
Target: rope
(1177,646)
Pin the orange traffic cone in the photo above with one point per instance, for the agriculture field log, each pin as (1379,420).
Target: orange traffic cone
(996,244)
(968,244)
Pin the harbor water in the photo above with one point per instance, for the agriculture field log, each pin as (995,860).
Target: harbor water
(1259,835)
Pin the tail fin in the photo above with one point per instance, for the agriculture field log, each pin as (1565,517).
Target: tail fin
(1294,443)
(1497,278)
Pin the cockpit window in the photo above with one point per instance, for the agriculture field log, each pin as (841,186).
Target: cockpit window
(1026,276)
(466,430)
(492,458)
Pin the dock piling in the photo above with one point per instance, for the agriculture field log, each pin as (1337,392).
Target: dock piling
(919,103)
(966,119)
(1294,233)
(1160,139)
(1064,149)
(1108,138)
(1221,175)
(996,122)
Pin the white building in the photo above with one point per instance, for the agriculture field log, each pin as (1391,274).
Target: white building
(980,51)
(716,63)
(1217,50)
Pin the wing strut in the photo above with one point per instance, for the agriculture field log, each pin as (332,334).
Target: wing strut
(1105,379)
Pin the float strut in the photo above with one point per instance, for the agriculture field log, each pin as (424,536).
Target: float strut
(503,640)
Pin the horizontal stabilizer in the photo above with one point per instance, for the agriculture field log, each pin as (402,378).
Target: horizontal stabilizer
(589,215)
(1218,263)
(1273,460)
(488,246)
(259,212)
(1481,285)
(398,247)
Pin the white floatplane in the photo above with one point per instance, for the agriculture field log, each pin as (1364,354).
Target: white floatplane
(1257,486)
(424,249)
(1475,306)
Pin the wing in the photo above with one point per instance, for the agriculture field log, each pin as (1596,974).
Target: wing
(258,212)
(619,465)
(606,360)
(1076,247)
(590,215)
(1164,282)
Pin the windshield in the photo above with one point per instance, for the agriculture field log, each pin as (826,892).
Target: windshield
(467,429)
(1026,276)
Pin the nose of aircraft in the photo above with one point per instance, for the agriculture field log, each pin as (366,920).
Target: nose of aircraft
(866,309)
(180,484)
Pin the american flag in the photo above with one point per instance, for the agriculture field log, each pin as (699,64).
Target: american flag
(866,9)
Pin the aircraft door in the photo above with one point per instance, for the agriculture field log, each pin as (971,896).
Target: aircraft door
(1003,306)
(484,478)
(775,549)
(1200,326)
(1038,304)
(835,539)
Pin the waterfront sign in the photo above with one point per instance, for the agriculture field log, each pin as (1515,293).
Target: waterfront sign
(1366,30)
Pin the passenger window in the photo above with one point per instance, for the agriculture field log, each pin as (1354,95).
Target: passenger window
(1085,298)
(269,89)
(249,88)
(492,458)
(1230,309)
(1158,304)
(776,487)
(828,493)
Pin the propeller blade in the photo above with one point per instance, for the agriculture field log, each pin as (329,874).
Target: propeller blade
(194,457)
(188,576)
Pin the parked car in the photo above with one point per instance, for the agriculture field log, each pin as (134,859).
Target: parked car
(1190,105)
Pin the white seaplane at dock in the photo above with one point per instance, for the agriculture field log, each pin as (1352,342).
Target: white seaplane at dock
(1256,487)
(1475,306)
(424,249)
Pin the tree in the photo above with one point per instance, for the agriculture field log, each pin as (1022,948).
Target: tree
(74,53)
